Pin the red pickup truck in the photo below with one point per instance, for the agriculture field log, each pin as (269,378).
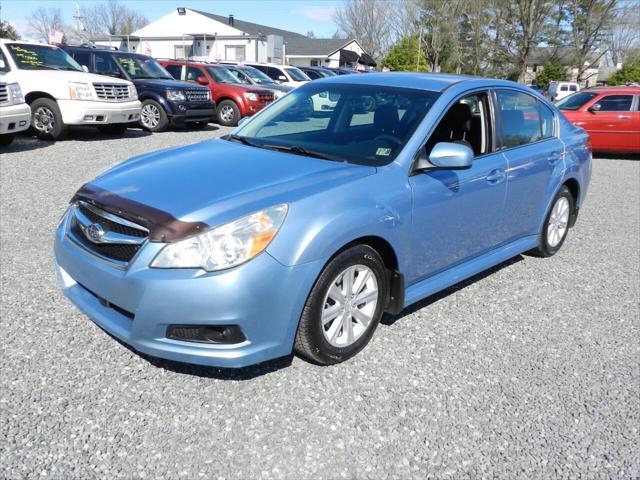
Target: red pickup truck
(233,100)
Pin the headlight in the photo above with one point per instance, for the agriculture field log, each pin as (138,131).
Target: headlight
(251,96)
(80,91)
(133,92)
(225,246)
(177,95)
(15,94)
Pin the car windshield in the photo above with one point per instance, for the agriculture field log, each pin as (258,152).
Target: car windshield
(297,75)
(41,57)
(257,76)
(221,75)
(362,124)
(139,67)
(575,101)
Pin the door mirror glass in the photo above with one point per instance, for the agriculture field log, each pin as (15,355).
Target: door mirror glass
(2,65)
(451,156)
(594,108)
(202,81)
(85,68)
(282,78)
(243,120)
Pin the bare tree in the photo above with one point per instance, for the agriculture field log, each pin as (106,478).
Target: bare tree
(43,22)
(368,21)
(112,18)
(588,21)
(623,37)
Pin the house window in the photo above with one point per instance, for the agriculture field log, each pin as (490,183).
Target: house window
(314,63)
(181,51)
(234,52)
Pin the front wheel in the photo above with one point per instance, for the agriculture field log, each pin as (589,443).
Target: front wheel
(556,225)
(344,307)
(153,117)
(228,113)
(46,119)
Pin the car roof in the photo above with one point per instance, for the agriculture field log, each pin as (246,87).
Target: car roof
(632,90)
(26,42)
(424,81)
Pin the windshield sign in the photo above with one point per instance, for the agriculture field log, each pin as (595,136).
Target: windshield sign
(362,124)
(41,57)
(142,67)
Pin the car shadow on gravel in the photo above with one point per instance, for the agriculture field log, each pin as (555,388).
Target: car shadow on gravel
(389,320)
(617,156)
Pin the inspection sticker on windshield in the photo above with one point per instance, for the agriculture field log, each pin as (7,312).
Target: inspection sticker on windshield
(383,152)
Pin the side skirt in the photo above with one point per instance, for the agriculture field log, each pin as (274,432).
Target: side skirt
(460,272)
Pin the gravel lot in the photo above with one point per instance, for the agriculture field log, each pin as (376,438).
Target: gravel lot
(529,371)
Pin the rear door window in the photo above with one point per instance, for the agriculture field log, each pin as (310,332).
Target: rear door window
(524,118)
(616,103)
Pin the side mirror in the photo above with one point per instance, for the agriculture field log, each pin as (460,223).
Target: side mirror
(85,68)
(452,156)
(2,65)
(243,120)
(202,81)
(282,78)
(594,108)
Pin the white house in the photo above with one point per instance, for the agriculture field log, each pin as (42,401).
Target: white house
(191,34)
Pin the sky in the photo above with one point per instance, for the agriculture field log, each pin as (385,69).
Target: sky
(295,15)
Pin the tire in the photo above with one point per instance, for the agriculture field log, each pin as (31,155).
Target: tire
(228,113)
(46,120)
(153,118)
(331,343)
(556,224)
(5,140)
(197,125)
(113,129)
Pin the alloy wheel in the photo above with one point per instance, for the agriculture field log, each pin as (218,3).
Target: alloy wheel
(226,113)
(349,306)
(558,222)
(44,120)
(150,116)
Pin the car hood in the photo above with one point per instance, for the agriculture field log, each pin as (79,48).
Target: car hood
(162,83)
(180,191)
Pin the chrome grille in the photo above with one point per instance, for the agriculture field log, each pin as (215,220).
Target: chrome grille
(106,235)
(112,92)
(197,94)
(4,94)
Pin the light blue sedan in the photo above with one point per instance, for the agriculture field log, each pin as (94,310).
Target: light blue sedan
(350,197)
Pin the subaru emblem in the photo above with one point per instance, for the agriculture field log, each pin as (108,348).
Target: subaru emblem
(94,232)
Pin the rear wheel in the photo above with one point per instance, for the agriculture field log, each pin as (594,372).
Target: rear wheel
(556,225)
(153,117)
(113,129)
(46,119)
(344,307)
(228,113)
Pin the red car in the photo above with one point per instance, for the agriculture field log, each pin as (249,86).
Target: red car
(611,116)
(233,100)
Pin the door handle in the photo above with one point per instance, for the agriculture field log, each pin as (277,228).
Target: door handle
(496,176)
(624,117)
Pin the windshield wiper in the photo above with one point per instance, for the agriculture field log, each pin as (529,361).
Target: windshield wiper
(238,138)
(299,151)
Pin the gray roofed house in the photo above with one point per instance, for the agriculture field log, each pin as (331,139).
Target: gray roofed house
(194,34)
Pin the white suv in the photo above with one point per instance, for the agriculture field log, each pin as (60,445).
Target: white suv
(285,74)
(14,113)
(559,90)
(61,93)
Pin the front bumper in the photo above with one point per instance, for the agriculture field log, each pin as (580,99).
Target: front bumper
(14,118)
(79,112)
(254,107)
(185,113)
(137,304)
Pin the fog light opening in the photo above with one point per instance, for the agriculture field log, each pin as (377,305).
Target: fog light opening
(88,118)
(214,334)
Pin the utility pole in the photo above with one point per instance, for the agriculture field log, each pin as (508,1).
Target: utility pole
(79,26)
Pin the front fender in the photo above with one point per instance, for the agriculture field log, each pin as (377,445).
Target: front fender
(168,108)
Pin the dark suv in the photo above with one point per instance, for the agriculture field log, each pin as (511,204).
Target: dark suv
(164,100)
